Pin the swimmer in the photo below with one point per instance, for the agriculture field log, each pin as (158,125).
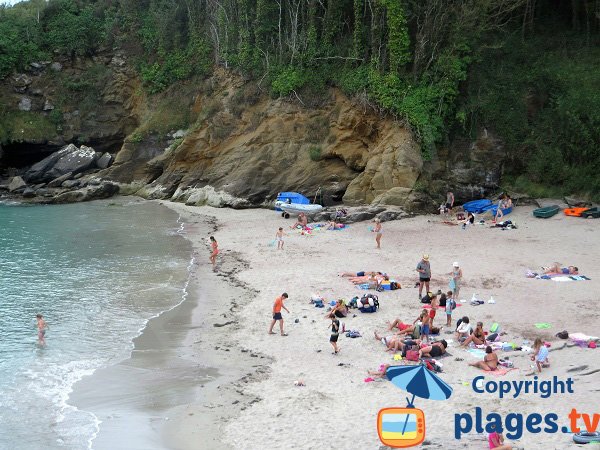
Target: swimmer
(42,326)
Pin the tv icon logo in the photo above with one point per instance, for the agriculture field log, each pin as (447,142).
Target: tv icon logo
(401,427)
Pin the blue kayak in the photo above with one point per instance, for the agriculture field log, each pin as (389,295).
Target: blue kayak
(477,206)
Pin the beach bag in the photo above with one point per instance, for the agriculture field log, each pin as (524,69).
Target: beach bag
(563,334)
(394,285)
(452,304)
(319,303)
(353,303)
(412,355)
(492,337)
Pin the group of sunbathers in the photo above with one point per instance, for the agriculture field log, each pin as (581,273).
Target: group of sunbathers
(373,279)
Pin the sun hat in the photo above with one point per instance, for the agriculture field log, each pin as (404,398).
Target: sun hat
(426,257)
(455,264)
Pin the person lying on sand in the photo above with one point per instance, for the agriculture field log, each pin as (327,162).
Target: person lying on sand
(368,277)
(358,274)
(555,268)
(398,323)
(490,361)
(396,343)
(434,350)
(380,373)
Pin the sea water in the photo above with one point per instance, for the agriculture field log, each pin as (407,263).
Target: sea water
(97,272)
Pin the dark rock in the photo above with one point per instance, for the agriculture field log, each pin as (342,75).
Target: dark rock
(37,172)
(104,161)
(576,202)
(43,192)
(104,190)
(386,216)
(69,184)
(16,184)
(57,182)
(359,216)
(75,161)
(21,82)
(29,192)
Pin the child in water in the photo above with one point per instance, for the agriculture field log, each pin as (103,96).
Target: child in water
(42,326)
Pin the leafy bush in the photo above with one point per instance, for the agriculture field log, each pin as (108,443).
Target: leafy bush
(315,153)
(287,81)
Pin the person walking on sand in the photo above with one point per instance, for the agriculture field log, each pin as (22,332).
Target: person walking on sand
(456,279)
(279,238)
(424,269)
(42,326)
(214,245)
(378,232)
(449,201)
(277,313)
(335,332)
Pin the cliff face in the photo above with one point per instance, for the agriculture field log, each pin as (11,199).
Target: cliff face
(242,146)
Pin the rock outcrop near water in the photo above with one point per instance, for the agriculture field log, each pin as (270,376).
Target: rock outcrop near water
(241,149)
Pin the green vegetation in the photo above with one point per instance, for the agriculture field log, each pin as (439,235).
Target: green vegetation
(525,70)
(314,153)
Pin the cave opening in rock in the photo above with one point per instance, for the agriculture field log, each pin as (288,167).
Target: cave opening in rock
(20,155)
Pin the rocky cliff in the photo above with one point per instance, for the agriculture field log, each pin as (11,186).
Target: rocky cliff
(225,141)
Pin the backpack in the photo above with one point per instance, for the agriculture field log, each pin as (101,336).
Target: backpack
(394,285)
(352,303)
(452,304)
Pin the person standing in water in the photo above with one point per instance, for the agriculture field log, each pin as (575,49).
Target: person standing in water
(42,326)
(215,250)
(378,232)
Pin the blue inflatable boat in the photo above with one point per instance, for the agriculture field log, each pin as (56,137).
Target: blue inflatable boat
(477,206)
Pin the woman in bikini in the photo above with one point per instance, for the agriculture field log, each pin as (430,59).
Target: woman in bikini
(215,250)
(477,337)
(490,361)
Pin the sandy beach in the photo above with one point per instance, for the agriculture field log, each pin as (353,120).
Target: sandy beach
(253,402)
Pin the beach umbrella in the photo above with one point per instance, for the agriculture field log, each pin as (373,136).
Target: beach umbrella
(420,382)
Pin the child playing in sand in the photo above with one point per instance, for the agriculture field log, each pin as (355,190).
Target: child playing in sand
(42,326)
(540,355)
(279,238)
(335,332)
(450,305)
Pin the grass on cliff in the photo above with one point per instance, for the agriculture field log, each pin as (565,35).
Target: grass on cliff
(168,111)
(20,126)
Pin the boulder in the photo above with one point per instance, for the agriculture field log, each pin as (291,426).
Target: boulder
(104,161)
(48,106)
(76,161)
(57,182)
(104,190)
(56,66)
(179,134)
(29,192)
(16,184)
(25,104)
(69,184)
(21,82)
(577,202)
(37,172)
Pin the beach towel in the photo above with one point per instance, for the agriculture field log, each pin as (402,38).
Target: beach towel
(501,371)
(476,352)
(542,326)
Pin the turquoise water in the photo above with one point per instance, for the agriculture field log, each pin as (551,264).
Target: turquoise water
(97,272)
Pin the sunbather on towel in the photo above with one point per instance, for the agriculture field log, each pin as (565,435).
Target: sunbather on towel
(302,221)
(555,268)
(358,274)
(477,337)
(490,361)
(434,350)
